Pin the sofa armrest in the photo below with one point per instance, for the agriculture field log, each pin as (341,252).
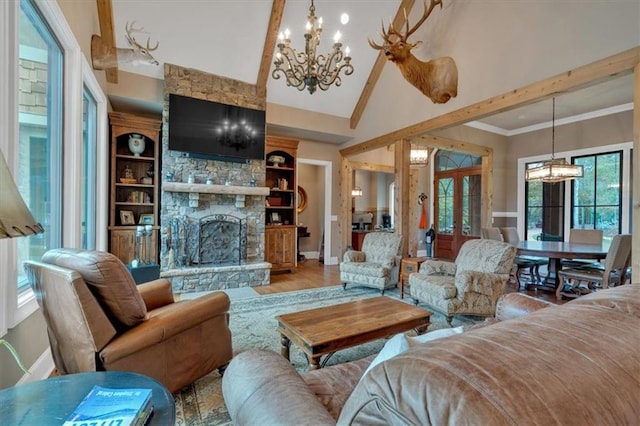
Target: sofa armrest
(261,387)
(164,323)
(156,293)
(437,267)
(354,256)
(514,305)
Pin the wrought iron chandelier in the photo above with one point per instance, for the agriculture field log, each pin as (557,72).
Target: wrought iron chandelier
(306,69)
(556,169)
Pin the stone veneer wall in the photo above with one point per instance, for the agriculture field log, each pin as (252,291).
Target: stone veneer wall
(197,84)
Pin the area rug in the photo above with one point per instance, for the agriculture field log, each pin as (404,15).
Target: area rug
(253,326)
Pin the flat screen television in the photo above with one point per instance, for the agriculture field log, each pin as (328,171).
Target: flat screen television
(216,131)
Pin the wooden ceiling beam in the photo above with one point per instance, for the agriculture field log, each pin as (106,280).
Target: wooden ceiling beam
(105,18)
(584,76)
(378,66)
(277,9)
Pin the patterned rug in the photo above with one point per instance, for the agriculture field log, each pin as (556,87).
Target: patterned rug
(253,326)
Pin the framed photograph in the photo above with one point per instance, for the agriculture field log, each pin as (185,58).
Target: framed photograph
(126,217)
(275,217)
(146,219)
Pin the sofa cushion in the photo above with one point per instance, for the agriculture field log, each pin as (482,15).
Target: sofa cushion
(371,269)
(624,298)
(550,359)
(109,281)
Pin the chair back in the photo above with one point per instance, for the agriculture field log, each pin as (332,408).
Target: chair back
(585,236)
(77,325)
(618,257)
(483,255)
(510,235)
(491,234)
(378,246)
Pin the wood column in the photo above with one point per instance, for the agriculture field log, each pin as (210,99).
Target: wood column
(402,153)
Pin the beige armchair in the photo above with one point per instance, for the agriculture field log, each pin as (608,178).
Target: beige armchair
(377,265)
(98,319)
(471,285)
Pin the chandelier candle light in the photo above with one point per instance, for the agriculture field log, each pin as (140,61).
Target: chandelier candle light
(554,170)
(305,69)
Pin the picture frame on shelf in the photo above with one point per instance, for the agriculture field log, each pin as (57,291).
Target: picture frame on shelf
(275,217)
(127,218)
(146,219)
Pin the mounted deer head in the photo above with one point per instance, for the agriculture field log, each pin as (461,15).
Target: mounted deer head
(437,78)
(104,56)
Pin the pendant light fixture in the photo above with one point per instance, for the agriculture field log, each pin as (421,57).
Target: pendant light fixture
(554,170)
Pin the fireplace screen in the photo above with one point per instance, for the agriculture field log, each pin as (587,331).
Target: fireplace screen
(217,239)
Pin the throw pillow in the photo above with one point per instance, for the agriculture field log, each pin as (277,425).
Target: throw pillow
(400,343)
(433,335)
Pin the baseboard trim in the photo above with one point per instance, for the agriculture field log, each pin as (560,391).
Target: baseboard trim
(40,370)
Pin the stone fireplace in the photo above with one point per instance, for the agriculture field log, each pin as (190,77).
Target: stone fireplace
(212,225)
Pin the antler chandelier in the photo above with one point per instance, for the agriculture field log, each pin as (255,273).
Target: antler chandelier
(306,69)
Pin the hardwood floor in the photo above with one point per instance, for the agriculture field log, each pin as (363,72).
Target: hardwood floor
(312,274)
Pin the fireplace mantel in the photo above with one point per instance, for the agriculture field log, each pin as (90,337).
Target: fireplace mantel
(195,189)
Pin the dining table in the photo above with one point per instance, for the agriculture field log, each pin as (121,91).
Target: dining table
(556,251)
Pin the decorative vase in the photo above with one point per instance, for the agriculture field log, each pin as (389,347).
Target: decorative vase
(136,144)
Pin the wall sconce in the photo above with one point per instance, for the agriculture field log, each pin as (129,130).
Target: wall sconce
(356,191)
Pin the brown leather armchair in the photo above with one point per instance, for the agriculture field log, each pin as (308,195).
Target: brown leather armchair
(98,319)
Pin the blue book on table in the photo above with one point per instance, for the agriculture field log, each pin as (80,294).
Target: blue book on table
(112,407)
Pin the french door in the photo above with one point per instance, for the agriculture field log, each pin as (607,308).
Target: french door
(458,207)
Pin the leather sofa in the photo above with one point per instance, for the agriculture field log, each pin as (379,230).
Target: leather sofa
(99,320)
(576,363)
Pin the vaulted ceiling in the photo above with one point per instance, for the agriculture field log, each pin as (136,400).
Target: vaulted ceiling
(227,38)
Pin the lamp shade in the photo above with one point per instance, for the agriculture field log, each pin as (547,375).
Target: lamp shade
(15,218)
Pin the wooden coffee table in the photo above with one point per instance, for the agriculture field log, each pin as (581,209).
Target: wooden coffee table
(323,331)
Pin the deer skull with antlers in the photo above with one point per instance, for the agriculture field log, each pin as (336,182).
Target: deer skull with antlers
(104,56)
(437,78)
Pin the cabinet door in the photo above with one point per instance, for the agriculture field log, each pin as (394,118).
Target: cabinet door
(273,249)
(123,244)
(288,247)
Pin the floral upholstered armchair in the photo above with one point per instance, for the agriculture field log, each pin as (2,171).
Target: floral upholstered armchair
(471,285)
(377,265)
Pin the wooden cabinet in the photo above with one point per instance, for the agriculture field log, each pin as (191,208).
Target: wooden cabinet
(134,174)
(281,208)
(280,247)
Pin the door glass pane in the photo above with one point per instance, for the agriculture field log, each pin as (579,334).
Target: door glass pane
(544,210)
(445,206)
(40,133)
(471,206)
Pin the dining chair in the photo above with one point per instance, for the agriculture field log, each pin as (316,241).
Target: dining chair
(491,234)
(521,263)
(575,282)
(583,236)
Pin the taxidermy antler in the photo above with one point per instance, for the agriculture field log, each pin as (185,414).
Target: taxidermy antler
(438,78)
(104,56)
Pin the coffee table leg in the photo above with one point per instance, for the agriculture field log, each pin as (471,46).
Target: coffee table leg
(285,345)
(314,363)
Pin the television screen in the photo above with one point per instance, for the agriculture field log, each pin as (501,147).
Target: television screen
(212,130)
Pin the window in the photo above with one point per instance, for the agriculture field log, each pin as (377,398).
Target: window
(599,200)
(53,150)
(597,197)
(544,210)
(89,169)
(40,133)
